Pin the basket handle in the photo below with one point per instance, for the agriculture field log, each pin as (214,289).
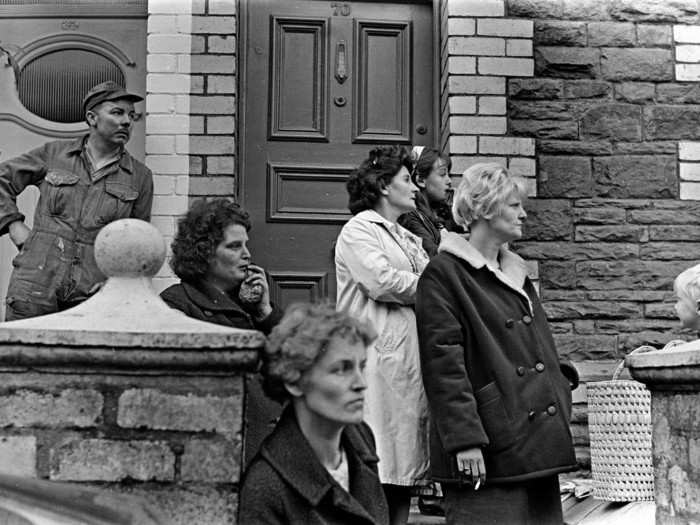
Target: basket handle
(643,349)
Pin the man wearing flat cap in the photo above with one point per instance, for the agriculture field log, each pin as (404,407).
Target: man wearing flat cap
(83,185)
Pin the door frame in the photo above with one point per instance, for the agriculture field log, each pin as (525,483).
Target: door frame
(241,94)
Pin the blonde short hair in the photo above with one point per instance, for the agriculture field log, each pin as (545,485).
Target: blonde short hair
(482,192)
(688,283)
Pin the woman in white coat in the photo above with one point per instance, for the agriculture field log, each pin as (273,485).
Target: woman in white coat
(378,263)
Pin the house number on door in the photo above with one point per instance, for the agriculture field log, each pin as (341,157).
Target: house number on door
(341,9)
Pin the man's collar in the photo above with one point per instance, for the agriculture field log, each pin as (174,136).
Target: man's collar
(125,160)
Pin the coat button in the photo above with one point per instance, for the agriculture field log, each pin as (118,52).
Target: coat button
(551,410)
(520,370)
(531,415)
(509,323)
(527,319)
(539,367)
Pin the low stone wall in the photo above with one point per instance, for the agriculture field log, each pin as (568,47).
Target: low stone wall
(170,437)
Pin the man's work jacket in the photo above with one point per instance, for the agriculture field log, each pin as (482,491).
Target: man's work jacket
(56,263)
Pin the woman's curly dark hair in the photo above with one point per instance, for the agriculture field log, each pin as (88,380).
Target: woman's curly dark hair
(374,174)
(299,341)
(199,232)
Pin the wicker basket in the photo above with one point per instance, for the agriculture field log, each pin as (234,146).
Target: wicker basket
(619,424)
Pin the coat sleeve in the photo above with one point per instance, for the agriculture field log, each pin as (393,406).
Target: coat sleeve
(144,202)
(15,175)
(445,377)
(358,249)
(413,223)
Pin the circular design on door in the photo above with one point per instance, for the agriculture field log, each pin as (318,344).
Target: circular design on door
(52,85)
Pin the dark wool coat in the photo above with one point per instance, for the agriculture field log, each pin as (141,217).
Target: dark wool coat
(424,223)
(203,303)
(490,368)
(287,484)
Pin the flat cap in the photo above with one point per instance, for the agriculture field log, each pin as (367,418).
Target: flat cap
(109,90)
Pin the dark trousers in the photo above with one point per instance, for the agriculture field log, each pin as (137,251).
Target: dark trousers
(533,502)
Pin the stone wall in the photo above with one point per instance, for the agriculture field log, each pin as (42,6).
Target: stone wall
(607,106)
(171,439)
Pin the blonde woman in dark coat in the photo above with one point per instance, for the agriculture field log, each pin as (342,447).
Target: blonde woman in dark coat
(499,395)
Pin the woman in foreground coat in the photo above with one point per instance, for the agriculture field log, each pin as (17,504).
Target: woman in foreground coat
(377,265)
(319,466)
(499,395)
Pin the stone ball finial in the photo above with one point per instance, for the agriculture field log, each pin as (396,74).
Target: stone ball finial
(129,248)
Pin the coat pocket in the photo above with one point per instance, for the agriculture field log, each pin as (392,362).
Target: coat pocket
(494,417)
(59,192)
(118,202)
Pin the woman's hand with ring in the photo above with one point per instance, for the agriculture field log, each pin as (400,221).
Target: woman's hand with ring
(470,462)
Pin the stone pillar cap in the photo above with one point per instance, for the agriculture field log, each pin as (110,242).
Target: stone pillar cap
(127,312)
(677,365)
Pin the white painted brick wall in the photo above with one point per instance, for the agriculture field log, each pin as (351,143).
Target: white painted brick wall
(510,67)
(689,150)
(461,65)
(459,163)
(462,105)
(689,171)
(519,47)
(506,146)
(478,125)
(688,53)
(686,34)
(475,7)
(522,166)
(688,72)
(477,85)
(690,191)
(463,144)
(488,46)
(461,26)
(504,27)
(492,105)
(157,43)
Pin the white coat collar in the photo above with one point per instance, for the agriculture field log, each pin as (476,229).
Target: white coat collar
(513,268)
(373,216)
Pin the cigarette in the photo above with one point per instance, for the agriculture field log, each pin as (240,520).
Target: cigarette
(478,484)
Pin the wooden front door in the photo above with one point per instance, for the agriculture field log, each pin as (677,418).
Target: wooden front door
(324,82)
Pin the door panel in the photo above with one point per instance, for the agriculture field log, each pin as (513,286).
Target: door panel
(324,83)
(383,82)
(298,79)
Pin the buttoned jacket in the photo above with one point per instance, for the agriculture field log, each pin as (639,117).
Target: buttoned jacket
(490,368)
